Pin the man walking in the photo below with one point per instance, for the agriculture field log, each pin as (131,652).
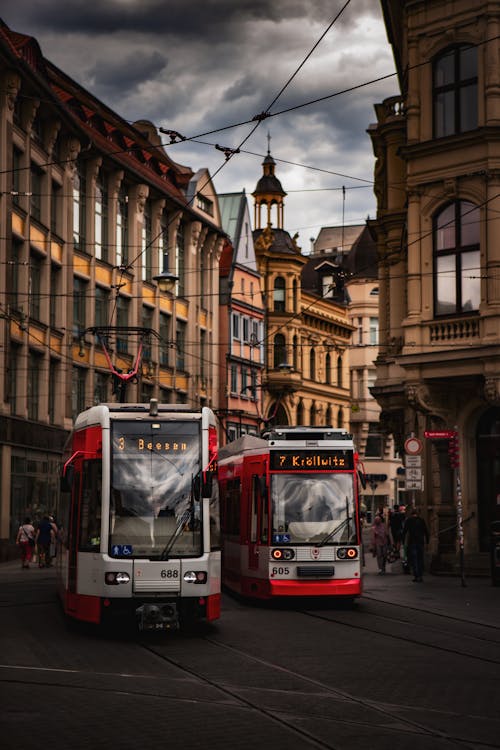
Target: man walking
(416,535)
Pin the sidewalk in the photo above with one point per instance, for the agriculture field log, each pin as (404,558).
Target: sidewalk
(478,601)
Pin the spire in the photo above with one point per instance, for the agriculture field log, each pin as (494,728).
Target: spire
(268,192)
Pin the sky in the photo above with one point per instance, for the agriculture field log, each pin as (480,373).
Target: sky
(198,66)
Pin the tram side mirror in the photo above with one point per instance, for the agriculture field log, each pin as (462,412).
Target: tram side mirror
(362,479)
(66,481)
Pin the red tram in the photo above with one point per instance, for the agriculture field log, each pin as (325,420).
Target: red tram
(140,514)
(290,514)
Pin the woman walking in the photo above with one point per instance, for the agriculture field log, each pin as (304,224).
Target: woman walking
(380,540)
(26,540)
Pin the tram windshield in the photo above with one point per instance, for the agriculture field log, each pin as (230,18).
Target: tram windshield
(155,489)
(317,508)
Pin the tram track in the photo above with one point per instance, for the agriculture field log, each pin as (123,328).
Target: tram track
(388,715)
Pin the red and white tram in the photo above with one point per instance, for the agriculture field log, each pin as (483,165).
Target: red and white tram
(140,515)
(290,514)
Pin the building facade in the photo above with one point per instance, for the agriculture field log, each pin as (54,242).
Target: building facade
(355,252)
(306,375)
(93,215)
(242,334)
(437,185)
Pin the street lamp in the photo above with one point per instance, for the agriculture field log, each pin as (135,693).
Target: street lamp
(166,281)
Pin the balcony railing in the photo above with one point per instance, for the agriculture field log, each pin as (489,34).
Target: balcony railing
(458,329)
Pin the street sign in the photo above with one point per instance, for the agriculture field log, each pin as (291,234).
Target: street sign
(413,484)
(414,475)
(439,434)
(413,461)
(413,446)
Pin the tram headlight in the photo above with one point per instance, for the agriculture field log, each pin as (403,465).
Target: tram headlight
(282,554)
(347,553)
(195,576)
(114,579)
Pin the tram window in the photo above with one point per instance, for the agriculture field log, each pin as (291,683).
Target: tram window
(231,506)
(90,513)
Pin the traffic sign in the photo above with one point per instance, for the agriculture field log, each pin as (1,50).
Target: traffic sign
(413,462)
(440,434)
(414,484)
(414,474)
(413,446)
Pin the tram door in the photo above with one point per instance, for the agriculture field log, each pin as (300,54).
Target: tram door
(74,521)
(256,516)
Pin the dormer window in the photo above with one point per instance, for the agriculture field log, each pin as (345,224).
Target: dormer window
(328,286)
(205,204)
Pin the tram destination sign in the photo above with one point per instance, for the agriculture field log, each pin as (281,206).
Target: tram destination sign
(303,459)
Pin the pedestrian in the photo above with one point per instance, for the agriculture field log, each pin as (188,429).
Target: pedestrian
(416,535)
(26,540)
(380,539)
(53,544)
(396,523)
(44,537)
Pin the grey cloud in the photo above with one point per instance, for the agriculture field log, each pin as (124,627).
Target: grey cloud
(126,73)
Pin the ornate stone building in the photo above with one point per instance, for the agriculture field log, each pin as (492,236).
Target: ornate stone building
(93,215)
(437,182)
(306,375)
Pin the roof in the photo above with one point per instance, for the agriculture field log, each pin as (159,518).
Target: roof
(232,206)
(242,444)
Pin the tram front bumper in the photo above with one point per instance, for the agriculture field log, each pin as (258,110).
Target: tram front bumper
(157,616)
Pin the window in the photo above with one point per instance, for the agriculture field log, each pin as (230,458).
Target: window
(163,245)
(234,379)
(101,220)
(180,341)
(36,193)
(456,259)
(55,203)
(35,277)
(455,91)
(339,372)
(179,258)
(122,314)
(79,192)
(55,291)
(91,507)
(33,399)
(374,331)
(374,442)
(328,369)
(16,175)
(327,287)
(101,381)
(147,324)
(146,240)
(78,390)
(164,346)
(279,348)
(279,294)
(101,306)
(236,326)
(205,204)
(203,337)
(11,378)
(12,274)
(312,364)
(359,325)
(79,295)
(246,328)
(122,228)
(54,389)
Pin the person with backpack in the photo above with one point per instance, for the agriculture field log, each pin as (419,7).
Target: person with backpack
(26,541)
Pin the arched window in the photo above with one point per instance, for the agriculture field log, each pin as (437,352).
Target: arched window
(457,268)
(300,413)
(328,369)
(279,294)
(295,353)
(312,364)
(279,350)
(328,416)
(455,91)
(312,414)
(340,419)
(295,297)
(339,371)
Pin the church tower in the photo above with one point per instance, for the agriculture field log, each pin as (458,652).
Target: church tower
(269,193)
